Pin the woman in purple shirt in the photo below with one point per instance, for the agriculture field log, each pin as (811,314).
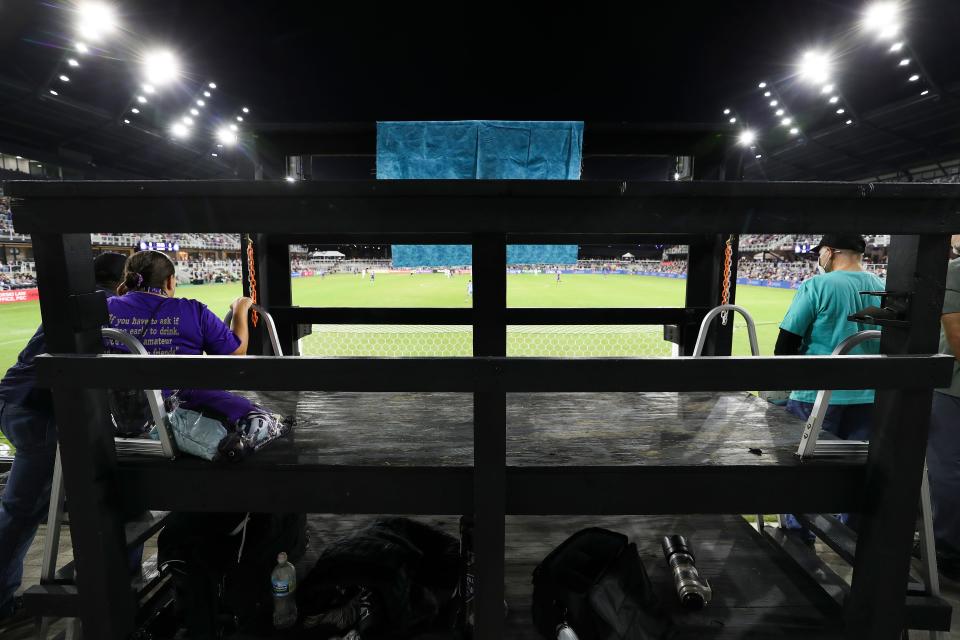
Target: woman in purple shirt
(147,309)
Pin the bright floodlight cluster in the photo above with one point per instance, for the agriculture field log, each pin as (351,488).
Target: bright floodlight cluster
(883,19)
(95,20)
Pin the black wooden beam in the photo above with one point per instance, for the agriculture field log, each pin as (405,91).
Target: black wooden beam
(875,609)
(559,208)
(191,485)
(65,273)
(483,373)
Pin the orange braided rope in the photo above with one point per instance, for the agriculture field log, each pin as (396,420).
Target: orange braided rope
(252,279)
(727,266)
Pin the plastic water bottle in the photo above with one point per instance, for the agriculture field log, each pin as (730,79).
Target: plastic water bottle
(283,579)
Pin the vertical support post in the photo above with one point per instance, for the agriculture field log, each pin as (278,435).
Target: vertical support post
(65,269)
(271,282)
(704,274)
(489,435)
(875,608)
(278,288)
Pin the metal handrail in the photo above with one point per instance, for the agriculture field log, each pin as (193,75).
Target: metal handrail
(271,327)
(713,313)
(154,400)
(811,430)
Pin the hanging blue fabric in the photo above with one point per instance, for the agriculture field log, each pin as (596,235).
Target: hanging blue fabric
(479,150)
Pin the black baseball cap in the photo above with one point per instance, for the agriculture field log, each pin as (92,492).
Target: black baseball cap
(851,242)
(108,267)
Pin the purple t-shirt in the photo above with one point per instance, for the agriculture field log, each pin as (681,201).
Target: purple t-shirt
(178,326)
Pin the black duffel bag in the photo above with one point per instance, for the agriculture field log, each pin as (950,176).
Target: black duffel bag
(596,584)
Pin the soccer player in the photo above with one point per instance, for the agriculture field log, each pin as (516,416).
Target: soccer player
(558,276)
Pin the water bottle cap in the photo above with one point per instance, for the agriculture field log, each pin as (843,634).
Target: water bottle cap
(281,557)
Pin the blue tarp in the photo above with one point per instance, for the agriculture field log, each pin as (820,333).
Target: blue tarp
(479,150)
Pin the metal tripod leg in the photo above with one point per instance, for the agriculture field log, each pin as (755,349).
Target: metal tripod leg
(51,540)
(928,552)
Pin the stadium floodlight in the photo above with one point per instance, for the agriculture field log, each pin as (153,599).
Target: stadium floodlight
(53,92)
(290,179)
(786,122)
(215,155)
(827,88)
(73,62)
(747,137)
(925,92)
(883,19)
(239,118)
(95,20)
(849,121)
(142,99)
(896,46)
(194,112)
(201,103)
(774,103)
(149,88)
(161,67)
(779,112)
(187,120)
(212,85)
(767,94)
(762,85)
(841,111)
(126,121)
(134,110)
(226,136)
(234,127)
(206,94)
(913,78)
(758,156)
(245,110)
(794,131)
(180,130)
(815,67)
(834,99)
(733,120)
(64,78)
(82,48)
(726,112)
(676,175)
(905,62)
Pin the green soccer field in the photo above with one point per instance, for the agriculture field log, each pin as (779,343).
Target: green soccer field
(435,290)
(767,305)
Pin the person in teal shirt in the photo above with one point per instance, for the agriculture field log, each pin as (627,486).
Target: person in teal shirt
(816,323)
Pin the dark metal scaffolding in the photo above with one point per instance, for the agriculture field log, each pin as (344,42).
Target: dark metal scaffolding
(885,488)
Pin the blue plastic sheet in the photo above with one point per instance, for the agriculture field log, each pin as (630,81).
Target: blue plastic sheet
(479,150)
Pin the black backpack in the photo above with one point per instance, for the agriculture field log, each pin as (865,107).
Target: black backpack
(595,583)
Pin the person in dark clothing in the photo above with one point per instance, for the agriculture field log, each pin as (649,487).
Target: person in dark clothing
(26,419)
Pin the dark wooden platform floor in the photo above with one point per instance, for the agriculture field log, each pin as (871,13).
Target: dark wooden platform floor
(542,429)
(756,593)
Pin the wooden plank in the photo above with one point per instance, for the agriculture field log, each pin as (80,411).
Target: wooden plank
(479,373)
(511,207)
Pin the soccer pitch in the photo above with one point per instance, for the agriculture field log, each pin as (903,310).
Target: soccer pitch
(767,305)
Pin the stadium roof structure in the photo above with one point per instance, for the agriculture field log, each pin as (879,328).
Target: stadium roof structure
(921,130)
(93,111)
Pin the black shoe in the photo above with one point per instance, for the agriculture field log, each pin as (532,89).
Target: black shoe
(13,615)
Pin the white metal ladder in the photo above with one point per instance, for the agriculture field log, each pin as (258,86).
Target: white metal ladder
(810,446)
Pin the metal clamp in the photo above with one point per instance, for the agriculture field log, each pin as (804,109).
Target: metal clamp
(893,313)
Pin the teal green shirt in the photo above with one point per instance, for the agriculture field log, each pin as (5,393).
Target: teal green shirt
(819,313)
(951,304)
